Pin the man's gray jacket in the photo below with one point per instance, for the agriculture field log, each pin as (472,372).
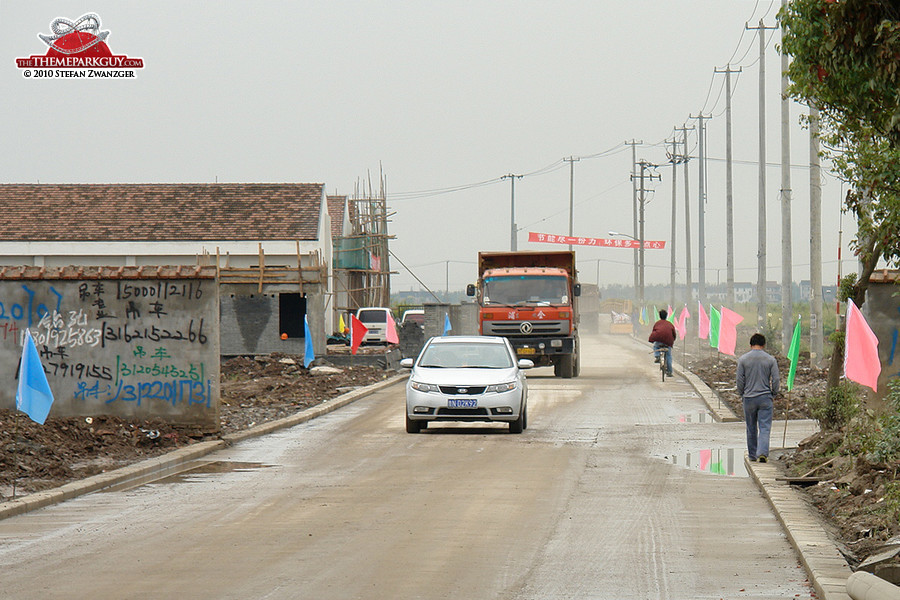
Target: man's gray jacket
(757,374)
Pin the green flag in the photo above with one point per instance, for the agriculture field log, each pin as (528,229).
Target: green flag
(793,355)
(655,314)
(715,320)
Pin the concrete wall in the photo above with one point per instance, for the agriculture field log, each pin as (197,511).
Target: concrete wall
(132,348)
(250,319)
(463,318)
(882,312)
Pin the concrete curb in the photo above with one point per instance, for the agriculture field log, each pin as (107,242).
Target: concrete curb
(828,570)
(171,462)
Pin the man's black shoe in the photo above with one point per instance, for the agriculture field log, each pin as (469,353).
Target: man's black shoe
(762,459)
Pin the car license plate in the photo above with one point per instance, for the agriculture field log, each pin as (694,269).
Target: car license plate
(525,351)
(462,403)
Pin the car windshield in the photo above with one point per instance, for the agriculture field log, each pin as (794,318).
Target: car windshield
(373,316)
(466,355)
(526,289)
(417,318)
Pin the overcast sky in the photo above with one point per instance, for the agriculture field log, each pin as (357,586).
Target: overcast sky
(436,95)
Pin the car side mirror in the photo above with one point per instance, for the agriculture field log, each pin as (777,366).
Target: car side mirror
(407,363)
(525,363)
(470,289)
(576,289)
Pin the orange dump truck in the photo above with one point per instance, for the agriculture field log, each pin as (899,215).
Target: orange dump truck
(530,298)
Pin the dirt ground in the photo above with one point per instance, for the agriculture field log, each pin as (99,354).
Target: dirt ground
(254,390)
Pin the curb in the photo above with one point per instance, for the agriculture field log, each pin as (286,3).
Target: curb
(169,463)
(828,571)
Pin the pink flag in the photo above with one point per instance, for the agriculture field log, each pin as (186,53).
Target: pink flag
(392,337)
(861,362)
(728,331)
(682,325)
(702,322)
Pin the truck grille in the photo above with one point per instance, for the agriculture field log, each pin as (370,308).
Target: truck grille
(513,328)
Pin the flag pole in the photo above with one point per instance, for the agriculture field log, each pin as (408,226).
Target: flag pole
(786,409)
(15,455)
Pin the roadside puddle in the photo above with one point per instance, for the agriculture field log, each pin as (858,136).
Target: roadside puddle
(185,474)
(700,417)
(210,468)
(716,461)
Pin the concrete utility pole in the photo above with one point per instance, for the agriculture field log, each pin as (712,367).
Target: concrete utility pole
(729,190)
(701,211)
(644,166)
(634,207)
(787,276)
(674,160)
(761,253)
(512,210)
(571,160)
(816,341)
(689,292)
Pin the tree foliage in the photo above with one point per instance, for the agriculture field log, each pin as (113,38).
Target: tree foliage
(845,61)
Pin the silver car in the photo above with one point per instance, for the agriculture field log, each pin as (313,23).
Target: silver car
(458,378)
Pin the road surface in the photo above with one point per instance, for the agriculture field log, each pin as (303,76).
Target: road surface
(594,500)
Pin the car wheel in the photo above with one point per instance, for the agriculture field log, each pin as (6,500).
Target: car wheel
(518,425)
(525,417)
(413,426)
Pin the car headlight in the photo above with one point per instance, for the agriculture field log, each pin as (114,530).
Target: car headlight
(501,387)
(423,387)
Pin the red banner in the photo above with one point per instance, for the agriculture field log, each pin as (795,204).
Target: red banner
(547,238)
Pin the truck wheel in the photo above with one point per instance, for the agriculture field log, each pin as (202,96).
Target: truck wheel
(576,370)
(565,368)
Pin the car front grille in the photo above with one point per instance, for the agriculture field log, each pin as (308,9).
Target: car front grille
(453,390)
(462,412)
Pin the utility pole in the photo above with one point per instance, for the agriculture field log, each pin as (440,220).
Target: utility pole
(571,160)
(787,275)
(729,189)
(689,294)
(644,166)
(816,341)
(674,160)
(701,211)
(634,207)
(512,210)
(761,233)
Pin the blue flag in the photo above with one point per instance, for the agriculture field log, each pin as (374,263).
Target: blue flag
(33,396)
(447,326)
(309,354)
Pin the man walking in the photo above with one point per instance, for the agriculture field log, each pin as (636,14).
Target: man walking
(757,385)
(663,334)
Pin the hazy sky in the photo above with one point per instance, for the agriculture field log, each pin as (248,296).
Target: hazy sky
(438,95)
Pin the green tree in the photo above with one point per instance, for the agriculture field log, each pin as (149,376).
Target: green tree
(845,60)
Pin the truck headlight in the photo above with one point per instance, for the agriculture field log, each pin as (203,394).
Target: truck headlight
(501,387)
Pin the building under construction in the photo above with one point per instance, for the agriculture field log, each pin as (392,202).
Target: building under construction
(362,271)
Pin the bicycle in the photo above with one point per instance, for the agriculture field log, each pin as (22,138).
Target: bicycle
(663,351)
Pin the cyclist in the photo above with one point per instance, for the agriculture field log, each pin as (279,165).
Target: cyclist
(663,334)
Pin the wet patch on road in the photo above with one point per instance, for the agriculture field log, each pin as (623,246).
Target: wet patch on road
(715,461)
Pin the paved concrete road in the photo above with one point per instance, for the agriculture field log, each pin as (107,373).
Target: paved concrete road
(593,501)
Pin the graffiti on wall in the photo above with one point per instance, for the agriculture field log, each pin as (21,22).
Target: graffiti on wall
(143,347)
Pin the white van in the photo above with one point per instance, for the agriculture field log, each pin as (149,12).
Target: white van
(375,318)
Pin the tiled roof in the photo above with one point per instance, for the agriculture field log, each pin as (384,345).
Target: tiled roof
(336,212)
(160,212)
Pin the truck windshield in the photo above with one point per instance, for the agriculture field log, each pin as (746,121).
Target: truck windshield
(526,289)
